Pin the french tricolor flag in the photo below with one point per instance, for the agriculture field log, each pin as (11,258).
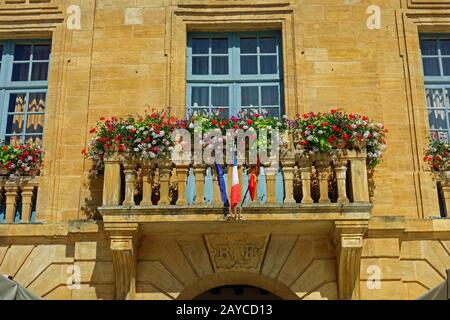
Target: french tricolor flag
(235,187)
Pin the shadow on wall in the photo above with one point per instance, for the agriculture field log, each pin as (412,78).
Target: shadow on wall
(94,200)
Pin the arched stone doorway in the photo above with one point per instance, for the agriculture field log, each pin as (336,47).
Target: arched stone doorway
(237,285)
(237,292)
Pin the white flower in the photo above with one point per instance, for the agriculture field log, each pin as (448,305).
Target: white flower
(136,149)
(191,126)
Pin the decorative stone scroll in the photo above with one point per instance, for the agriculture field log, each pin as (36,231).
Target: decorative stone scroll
(348,238)
(123,241)
(236,251)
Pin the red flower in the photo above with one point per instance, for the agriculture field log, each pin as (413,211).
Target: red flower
(335,128)
(122,148)
(324,124)
(155,149)
(304,142)
(305,116)
(311,126)
(333,111)
(93,130)
(236,126)
(365,118)
(249,122)
(213,122)
(147,140)
(154,116)
(234,119)
(102,118)
(346,137)
(84,152)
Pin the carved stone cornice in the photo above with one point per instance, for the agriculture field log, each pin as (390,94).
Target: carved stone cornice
(348,238)
(123,248)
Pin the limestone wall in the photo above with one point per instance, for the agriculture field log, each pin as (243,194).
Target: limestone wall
(127,55)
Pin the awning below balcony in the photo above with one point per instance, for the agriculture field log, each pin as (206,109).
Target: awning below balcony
(441,292)
(11,290)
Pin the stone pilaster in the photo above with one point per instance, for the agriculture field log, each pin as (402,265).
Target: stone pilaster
(123,247)
(348,238)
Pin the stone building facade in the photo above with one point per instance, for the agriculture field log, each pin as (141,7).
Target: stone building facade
(114,57)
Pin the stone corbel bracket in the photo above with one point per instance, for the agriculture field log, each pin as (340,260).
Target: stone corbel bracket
(348,239)
(123,246)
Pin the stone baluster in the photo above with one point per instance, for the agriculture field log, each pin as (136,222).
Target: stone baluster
(165,168)
(217,198)
(340,167)
(288,164)
(358,172)
(130,179)
(271,183)
(305,175)
(111,182)
(28,194)
(147,183)
(199,171)
(182,175)
(322,166)
(12,195)
(288,172)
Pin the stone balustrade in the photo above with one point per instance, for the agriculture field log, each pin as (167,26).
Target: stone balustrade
(298,181)
(18,199)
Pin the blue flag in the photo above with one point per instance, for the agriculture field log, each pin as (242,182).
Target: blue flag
(223,188)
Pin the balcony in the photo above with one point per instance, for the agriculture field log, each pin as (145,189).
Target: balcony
(320,187)
(18,199)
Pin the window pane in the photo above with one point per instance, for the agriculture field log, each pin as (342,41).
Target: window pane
(35,123)
(1,53)
(269,96)
(428,47)
(437,119)
(17,102)
(39,71)
(41,52)
(13,140)
(431,67)
(224,112)
(248,45)
(34,139)
(220,65)
(249,96)
(15,124)
(273,112)
(267,45)
(446,66)
(37,102)
(20,72)
(249,65)
(22,52)
(268,64)
(200,96)
(220,97)
(219,45)
(200,65)
(200,46)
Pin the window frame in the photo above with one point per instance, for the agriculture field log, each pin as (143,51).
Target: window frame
(234,79)
(8,87)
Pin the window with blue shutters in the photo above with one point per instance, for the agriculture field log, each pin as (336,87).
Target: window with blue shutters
(24,67)
(435,49)
(234,71)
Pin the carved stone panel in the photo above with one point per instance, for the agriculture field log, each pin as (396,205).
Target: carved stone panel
(236,251)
